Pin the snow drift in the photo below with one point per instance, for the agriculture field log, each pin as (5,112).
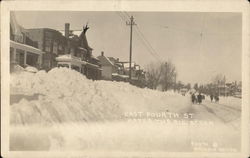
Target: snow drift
(64,95)
(62,110)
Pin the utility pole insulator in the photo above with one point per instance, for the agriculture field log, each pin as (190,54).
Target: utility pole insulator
(130,23)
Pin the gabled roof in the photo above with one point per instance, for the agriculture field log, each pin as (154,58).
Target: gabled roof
(105,61)
(14,25)
(112,59)
(83,39)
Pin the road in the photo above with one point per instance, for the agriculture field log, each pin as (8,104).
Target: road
(221,136)
(225,135)
(219,113)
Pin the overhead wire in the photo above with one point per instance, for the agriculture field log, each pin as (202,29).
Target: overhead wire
(144,40)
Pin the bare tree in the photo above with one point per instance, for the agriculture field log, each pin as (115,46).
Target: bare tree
(219,79)
(163,74)
(153,75)
(168,75)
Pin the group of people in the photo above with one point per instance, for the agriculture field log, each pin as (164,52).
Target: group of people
(197,98)
(214,97)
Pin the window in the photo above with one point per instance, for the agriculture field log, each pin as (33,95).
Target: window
(48,42)
(72,51)
(32,59)
(20,57)
(12,55)
(18,38)
(48,46)
(60,47)
(55,48)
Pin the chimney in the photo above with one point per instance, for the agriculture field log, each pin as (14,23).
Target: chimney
(117,59)
(102,53)
(67,30)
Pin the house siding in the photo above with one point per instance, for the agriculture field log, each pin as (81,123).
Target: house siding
(107,72)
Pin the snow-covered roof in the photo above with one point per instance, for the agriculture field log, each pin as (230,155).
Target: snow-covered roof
(92,65)
(26,47)
(126,65)
(69,58)
(83,48)
(95,57)
(137,67)
(109,61)
(104,60)
(122,76)
(31,69)
(78,32)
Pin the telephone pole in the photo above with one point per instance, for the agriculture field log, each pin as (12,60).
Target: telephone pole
(131,23)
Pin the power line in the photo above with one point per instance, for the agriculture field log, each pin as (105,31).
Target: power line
(141,36)
(126,14)
(147,47)
(152,50)
(123,18)
(145,41)
(196,32)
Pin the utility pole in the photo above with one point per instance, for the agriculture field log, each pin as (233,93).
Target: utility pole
(131,23)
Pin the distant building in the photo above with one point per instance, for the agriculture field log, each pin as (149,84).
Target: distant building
(108,67)
(23,50)
(228,89)
(113,69)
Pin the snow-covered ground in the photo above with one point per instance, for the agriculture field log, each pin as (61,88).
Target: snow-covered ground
(62,110)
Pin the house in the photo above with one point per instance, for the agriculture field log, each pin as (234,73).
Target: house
(52,42)
(23,50)
(66,50)
(108,67)
(93,67)
(81,57)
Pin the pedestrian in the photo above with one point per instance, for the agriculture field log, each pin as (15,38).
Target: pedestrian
(193,98)
(203,97)
(217,98)
(211,97)
(199,98)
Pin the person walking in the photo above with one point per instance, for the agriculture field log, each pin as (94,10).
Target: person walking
(193,98)
(217,98)
(211,97)
(199,98)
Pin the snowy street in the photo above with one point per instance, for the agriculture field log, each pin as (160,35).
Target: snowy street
(219,113)
(75,113)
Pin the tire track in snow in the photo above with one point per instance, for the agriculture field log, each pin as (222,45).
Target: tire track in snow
(224,113)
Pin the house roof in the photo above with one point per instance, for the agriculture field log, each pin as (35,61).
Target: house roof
(126,65)
(74,32)
(83,39)
(112,59)
(105,61)
(14,25)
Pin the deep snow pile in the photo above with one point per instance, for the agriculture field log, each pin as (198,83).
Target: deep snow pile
(64,95)
(76,110)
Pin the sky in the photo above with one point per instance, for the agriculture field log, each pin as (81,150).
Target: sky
(200,45)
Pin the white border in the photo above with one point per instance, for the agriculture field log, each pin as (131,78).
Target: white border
(119,5)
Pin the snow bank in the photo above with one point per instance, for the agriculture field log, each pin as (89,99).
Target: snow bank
(122,136)
(64,95)
(31,69)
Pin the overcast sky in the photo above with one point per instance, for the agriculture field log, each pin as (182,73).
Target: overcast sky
(200,45)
